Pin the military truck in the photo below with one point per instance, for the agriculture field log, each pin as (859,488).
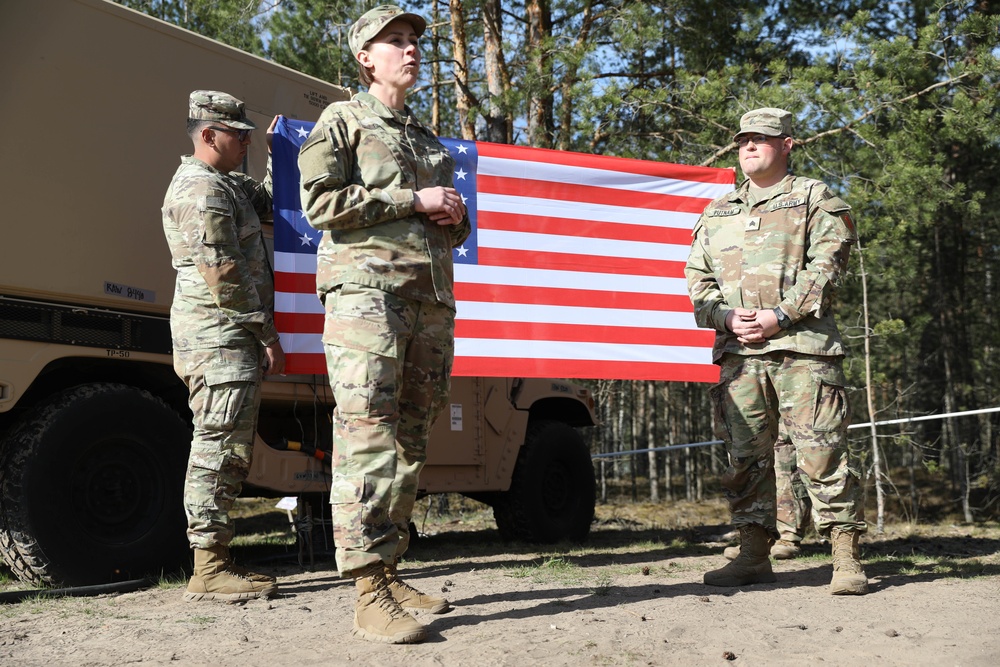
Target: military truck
(94,424)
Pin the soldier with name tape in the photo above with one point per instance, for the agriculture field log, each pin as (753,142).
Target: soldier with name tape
(765,265)
(222,326)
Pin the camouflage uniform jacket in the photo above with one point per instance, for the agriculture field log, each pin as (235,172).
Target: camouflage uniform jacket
(789,249)
(360,167)
(224,294)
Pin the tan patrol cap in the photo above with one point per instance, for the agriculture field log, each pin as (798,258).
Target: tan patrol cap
(219,107)
(768,121)
(371,23)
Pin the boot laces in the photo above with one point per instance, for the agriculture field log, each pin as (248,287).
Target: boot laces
(843,556)
(392,578)
(382,597)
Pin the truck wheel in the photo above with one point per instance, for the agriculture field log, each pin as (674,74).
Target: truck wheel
(91,485)
(551,496)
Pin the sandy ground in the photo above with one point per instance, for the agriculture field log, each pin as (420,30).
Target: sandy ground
(630,597)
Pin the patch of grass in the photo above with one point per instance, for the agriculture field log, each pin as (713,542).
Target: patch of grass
(198,620)
(603,584)
(171,580)
(551,569)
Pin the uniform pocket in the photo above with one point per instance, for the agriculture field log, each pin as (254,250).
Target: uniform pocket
(222,403)
(720,425)
(832,409)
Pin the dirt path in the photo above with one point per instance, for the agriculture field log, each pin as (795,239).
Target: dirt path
(631,597)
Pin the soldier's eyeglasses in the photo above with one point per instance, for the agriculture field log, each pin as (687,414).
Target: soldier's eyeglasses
(757,139)
(242,135)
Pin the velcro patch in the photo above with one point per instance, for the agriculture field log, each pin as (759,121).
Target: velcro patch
(721,212)
(786,203)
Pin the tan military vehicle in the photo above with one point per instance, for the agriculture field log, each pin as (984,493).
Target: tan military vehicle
(94,424)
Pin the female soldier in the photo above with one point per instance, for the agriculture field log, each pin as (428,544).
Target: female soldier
(379,185)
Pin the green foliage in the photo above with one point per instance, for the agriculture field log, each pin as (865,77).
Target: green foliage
(233,22)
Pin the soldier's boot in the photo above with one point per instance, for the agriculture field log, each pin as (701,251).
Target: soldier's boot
(215,578)
(409,597)
(751,565)
(780,550)
(848,575)
(251,575)
(377,615)
(785,549)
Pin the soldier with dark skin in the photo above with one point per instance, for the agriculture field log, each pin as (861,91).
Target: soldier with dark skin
(765,264)
(222,326)
(379,185)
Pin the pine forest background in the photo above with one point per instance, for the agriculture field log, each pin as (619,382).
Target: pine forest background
(896,108)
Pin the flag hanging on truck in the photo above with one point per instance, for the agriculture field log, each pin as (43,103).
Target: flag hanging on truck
(574,268)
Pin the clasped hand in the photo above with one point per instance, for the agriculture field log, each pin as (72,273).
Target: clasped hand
(442,205)
(752,326)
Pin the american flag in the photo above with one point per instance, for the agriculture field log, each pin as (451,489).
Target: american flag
(574,269)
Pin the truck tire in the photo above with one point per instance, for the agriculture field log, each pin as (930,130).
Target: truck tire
(91,485)
(552,491)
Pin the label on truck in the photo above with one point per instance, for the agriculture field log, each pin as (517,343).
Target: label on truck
(127,292)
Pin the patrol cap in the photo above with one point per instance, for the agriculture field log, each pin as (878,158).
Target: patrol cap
(219,107)
(768,121)
(371,23)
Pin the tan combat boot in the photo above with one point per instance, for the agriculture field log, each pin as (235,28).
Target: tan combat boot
(785,549)
(751,566)
(377,616)
(848,576)
(409,597)
(215,578)
(780,550)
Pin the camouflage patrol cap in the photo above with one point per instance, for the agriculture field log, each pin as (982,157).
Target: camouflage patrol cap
(371,23)
(768,121)
(219,107)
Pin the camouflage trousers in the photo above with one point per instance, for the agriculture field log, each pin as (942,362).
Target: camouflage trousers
(224,387)
(793,505)
(806,396)
(389,360)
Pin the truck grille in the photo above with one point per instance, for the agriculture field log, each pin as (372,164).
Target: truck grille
(74,325)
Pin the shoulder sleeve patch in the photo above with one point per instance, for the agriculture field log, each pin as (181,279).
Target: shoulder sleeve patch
(838,208)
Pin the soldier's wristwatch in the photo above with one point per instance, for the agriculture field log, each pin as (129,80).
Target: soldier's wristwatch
(783,321)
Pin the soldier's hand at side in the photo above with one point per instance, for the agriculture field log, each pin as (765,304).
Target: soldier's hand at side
(442,205)
(274,359)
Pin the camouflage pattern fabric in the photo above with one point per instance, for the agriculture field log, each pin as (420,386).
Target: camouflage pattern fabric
(769,121)
(224,386)
(793,506)
(224,292)
(371,23)
(807,394)
(389,361)
(219,107)
(789,249)
(219,320)
(360,167)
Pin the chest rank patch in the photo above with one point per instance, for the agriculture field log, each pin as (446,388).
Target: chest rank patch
(721,212)
(753,224)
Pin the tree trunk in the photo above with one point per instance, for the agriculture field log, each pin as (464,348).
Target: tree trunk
(498,127)
(463,98)
(569,79)
(539,15)
(873,431)
(652,441)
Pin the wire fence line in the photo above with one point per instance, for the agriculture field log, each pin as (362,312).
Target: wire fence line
(887,422)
